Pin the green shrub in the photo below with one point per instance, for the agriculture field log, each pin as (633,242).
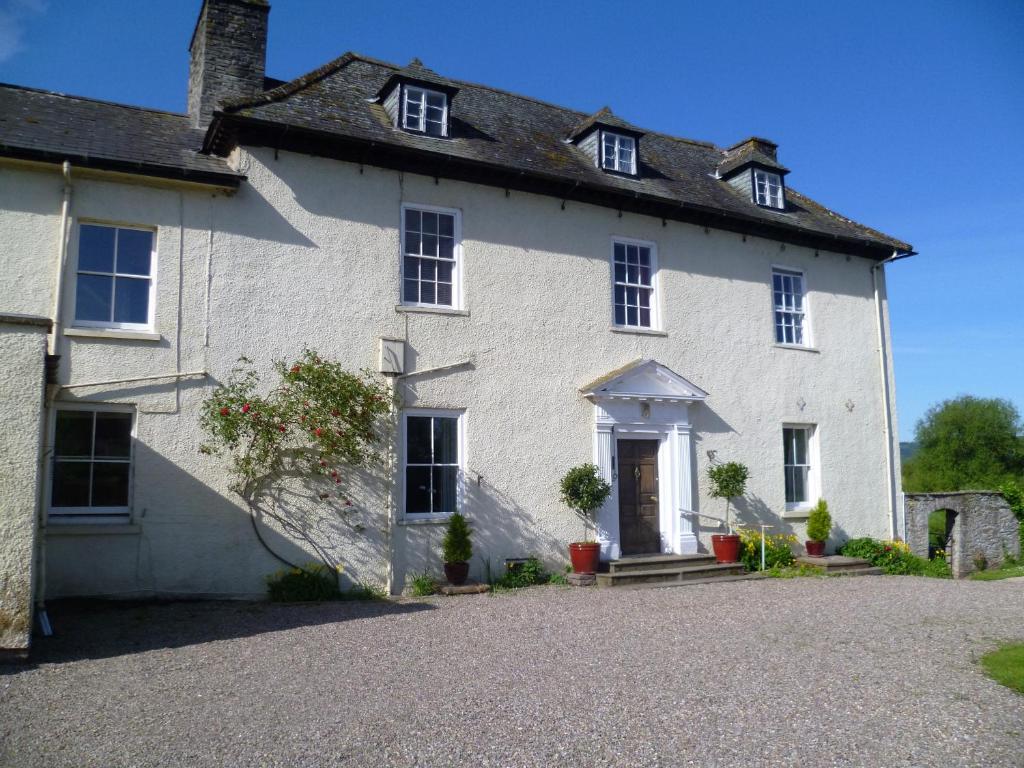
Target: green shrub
(895,557)
(728,481)
(364,592)
(312,582)
(423,585)
(777,552)
(456,547)
(584,491)
(526,574)
(819,522)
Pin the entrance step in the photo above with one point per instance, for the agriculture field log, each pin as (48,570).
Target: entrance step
(833,565)
(657,562)
(675,574)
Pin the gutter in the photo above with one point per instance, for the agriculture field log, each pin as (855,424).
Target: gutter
(883,365)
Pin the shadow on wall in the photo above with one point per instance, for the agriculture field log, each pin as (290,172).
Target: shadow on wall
(501,529)
(90,629)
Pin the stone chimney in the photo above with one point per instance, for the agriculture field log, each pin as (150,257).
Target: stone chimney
(228,55)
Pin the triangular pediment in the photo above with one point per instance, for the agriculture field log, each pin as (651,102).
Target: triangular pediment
(644,380)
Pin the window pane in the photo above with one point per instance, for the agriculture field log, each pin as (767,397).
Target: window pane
(429,244)
(644,255)
(73,434)
(446,225)
(446,440)
(444,294)
(445,485)
(787,446)
(645,275)
(799,484)
(429,223)
(800,446)
(110,484)
(411,268)
(631,318)
(632,273)
(790,486)
(645,297)
(435,100)
(131,300)
(412,221)
(70,484)
(446,248)
(417,490)
(428,294)
(134,250)
(93,297)
(428,269)
(444,271)
(418,439)
(411,291)
(412,242)
(645,317)
(96,248)
(620,252)
(113,435)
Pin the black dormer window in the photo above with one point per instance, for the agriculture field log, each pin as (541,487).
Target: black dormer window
(424,111)
(618,153)
(768,189)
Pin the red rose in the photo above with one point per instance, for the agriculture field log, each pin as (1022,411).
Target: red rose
(323,463)
(296,368)
(337,480)
(225,411)
(281,428)
(318,431)
(245,408)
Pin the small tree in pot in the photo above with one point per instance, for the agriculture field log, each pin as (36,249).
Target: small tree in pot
(584,491)
(728,481)
(456,549)
(819,526)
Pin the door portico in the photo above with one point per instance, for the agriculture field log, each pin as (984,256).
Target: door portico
(645,401)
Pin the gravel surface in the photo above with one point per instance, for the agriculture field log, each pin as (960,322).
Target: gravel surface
(808,672)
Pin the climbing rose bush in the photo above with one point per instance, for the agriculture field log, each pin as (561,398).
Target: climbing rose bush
(316,420)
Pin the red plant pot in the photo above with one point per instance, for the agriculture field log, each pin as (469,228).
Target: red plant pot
(815,548)
(585,556)
(456,573)
(726,547)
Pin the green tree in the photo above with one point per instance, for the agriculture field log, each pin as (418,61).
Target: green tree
(966,443)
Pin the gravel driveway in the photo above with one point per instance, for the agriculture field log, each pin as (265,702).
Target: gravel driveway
(809,672)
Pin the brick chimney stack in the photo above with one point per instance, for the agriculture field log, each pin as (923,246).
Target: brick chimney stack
(228,55)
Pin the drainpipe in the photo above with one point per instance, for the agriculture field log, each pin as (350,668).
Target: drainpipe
(883,364)
(62,256)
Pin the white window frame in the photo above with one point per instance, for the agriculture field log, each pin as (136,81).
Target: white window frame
(615,166)
(421,125)
(89,515)
(813,481)
(456,253)
(654,287)
(460,493)
(151,313)
(805,313)
(767,200)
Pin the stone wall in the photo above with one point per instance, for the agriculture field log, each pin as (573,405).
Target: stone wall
(22,356)
(985,526)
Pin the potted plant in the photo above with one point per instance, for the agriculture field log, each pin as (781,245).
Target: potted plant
(584,491)
(728,481)
(819,526)
(456,549)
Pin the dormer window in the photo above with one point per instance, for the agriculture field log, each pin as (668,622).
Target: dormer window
(768,189)
(618,153)
(424,111)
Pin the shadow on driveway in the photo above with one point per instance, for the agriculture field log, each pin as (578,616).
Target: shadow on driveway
(96,629)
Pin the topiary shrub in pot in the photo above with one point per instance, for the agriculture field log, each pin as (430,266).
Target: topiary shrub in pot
(584,491)
(457,549)
(728,481)
(819,526)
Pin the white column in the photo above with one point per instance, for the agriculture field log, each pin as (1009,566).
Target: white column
(607,516)
(684,450)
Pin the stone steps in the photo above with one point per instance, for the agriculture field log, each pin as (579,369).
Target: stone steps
(838,565)
(657,562)
(677,574)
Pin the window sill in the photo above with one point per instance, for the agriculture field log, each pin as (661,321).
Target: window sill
(637,331)
(112,333)
(432,520)
(798,348)
(92,529)
(797,513)
(432,310)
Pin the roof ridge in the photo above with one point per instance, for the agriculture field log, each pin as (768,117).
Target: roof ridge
(47,92)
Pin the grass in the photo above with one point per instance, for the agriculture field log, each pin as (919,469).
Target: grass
(1007,572)
(1006,666)
(793,571)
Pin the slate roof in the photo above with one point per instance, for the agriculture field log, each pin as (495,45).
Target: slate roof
(52,127)
(748,152)
(514,137)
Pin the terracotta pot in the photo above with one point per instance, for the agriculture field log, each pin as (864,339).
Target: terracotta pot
(727,547)
(815,548)
(456,573)
(585,556)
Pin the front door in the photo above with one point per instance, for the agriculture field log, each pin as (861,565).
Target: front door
(639,531)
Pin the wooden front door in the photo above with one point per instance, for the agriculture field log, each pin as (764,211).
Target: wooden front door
(639,529)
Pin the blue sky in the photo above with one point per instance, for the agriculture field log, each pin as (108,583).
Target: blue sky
(906,116)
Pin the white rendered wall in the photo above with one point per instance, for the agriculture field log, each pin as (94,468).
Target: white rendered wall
(307,254)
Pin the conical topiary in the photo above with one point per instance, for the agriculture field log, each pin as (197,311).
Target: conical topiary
(819,522)
(456,546)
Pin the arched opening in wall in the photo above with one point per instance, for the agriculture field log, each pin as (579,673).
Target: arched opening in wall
(940,533)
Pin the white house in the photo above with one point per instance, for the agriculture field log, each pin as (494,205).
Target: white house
(558,288)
